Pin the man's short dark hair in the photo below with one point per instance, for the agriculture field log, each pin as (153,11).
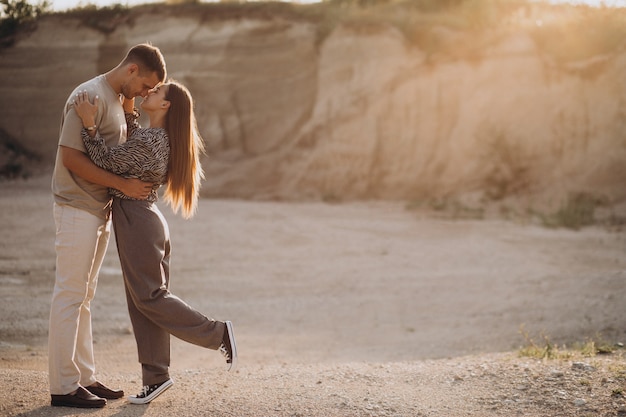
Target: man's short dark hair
(148,58)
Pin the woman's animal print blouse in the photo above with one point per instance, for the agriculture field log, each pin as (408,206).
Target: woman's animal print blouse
(144,155)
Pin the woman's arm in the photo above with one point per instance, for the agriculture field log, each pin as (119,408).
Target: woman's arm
(126,158)
(106,173)
(96,148)
(80,164)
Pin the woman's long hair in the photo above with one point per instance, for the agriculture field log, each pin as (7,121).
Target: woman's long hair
(184,172)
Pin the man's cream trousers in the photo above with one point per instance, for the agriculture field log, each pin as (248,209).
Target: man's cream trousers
(81,243)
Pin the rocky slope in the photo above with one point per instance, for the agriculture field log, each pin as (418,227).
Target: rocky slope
(357,113)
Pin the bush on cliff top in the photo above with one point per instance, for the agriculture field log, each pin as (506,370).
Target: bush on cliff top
(16,13)
(566,33)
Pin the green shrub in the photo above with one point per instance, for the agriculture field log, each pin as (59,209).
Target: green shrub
(15,160)
(17,13)
(577,211)
(103,19)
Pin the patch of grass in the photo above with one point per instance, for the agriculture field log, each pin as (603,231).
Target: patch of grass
(619,373)
(331,198)
(577,211)
(618,370)
(449,208)
(462,211)
(544,350)
(548,350)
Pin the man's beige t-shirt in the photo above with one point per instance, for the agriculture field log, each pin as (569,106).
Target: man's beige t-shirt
(68,188)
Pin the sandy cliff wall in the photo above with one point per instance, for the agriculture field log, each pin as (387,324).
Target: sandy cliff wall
(361,114)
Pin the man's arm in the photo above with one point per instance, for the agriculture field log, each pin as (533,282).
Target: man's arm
(80,164)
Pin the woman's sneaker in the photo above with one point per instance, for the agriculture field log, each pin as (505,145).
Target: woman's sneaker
(228,347)
(150,392)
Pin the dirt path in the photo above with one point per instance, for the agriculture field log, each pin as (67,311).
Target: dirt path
(339,310)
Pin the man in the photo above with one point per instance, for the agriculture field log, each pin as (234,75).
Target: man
(82,218)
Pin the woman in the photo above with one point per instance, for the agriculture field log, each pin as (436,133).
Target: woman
(167,153)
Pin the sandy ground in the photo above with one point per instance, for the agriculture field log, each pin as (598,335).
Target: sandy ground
(355,309)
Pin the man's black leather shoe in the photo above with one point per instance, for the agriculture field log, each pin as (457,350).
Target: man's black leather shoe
(81,399)
(103,391)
